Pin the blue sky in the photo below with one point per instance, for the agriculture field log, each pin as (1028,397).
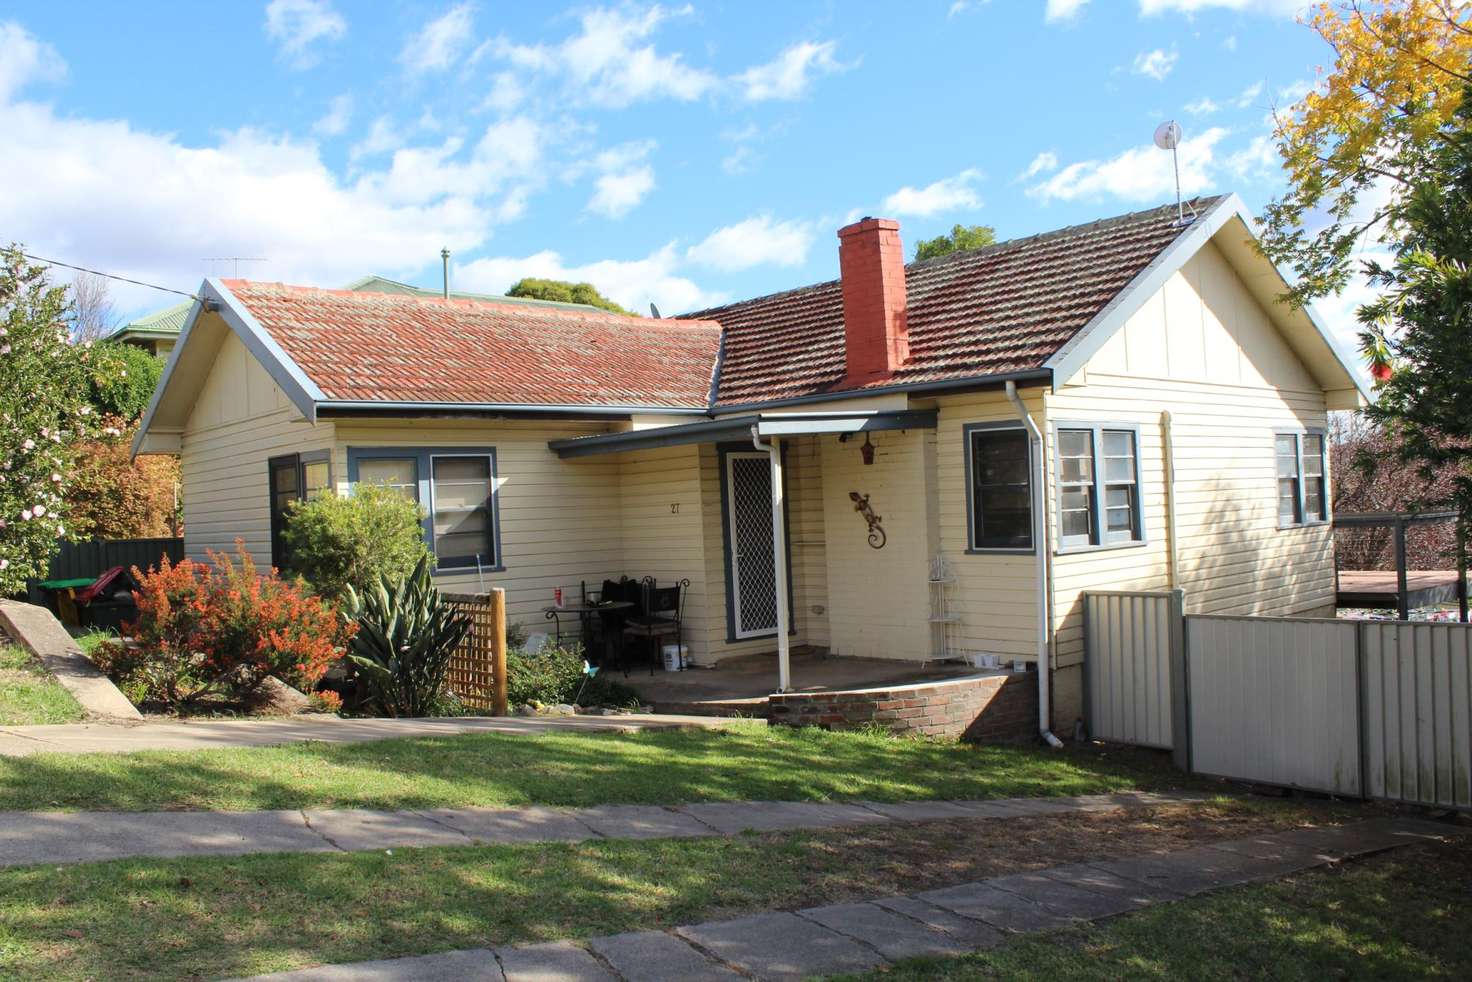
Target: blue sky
(685,154)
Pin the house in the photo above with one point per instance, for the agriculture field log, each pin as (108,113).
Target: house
(158,332)
(956,444)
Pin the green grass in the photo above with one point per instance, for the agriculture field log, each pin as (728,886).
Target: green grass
(665,767)
(29,695)
(1402,916)
(217,917)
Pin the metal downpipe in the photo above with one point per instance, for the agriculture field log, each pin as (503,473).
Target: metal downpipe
(779,558)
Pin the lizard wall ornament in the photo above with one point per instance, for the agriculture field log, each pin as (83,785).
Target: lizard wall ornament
(877,537)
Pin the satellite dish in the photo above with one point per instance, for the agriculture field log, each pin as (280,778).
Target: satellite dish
(1168,135)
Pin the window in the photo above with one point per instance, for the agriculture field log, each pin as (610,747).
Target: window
(1098,485)
(456,489)
(1000,492)
(293,477)
(1302,492)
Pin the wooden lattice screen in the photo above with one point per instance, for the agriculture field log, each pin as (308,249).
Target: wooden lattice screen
(472,673)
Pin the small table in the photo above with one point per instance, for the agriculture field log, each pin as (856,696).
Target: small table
(585,613)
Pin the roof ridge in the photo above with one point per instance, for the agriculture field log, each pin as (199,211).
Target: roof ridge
(1200,202)
(555,308)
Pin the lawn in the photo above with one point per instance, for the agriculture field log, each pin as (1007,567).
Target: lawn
(218,917)
(29,695)
(1406,915)
(665,767)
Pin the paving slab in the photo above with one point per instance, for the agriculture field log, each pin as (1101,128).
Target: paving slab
(493,826)
(986,809)
(781,947)
(731,817)
(642,822)
(1035,806)
(38,631)
(971,933)
(1066,898)
(997,907)
(917,811)
(28,838)
(353,829)
(555,961)
(126,737)
(1110,885)
(893,935)
(1197,870)
(654,956)
(470,965)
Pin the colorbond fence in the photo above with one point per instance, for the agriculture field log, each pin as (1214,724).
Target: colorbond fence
(1379,709)
(75,560)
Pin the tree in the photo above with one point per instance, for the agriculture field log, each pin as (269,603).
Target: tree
(43,414)
(91,311)
(564,292)
(1422,321)
(122,379)
(961,238)
(115,495)
(1354,146)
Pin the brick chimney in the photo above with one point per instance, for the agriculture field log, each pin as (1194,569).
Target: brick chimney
(871,263)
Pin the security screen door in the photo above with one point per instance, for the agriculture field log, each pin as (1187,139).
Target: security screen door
(753,567)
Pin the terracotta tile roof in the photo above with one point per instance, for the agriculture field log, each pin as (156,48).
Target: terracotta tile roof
(377,347)
(1004,308)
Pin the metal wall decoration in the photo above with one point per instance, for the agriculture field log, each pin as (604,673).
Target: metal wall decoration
(877,537)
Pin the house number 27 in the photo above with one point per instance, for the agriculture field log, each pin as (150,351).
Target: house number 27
(674,507)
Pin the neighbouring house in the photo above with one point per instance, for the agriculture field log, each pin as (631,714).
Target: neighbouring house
(1118,405)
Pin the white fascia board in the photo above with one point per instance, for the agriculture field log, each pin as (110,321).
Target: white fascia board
(163,381)
(1070,359)
(301,390)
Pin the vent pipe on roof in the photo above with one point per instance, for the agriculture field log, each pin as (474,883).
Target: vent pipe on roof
(445,262)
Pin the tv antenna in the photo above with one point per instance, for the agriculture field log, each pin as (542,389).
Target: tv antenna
(1168,137)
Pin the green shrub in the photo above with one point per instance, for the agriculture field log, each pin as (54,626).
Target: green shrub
(406,637)
(336,543)
(554,675)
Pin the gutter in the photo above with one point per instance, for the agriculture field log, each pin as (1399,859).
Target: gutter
(916,388)
(1040,542)
(373,408)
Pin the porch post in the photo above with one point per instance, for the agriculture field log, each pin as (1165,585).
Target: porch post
(779,558)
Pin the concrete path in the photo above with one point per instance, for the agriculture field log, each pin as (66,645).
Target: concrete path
(29,838)
(119,738)
(792,945)
(38,631)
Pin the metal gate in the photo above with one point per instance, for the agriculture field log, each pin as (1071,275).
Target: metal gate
(1129,640)
(753,561)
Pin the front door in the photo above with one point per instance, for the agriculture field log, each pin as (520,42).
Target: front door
(749,529)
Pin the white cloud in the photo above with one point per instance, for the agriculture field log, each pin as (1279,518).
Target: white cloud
(1140,174)
(1258,161)
(789,74)
(381,138)
(1230,42)
(947,194)
(1156,64)
(1201,107)
(624,178)
(756,241)
(610,61)
(1249,95)
(1043,163)
(634,283)
(1149,8)
(25,59)
(506,93)
(1063,10)
(961,6)
(153,205)
(335,121)
(297,25)
(439,43)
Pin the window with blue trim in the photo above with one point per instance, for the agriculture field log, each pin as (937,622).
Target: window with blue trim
(1098,485)
(1000,492)
(456,489)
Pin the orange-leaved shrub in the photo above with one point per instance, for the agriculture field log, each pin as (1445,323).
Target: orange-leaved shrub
(217,630)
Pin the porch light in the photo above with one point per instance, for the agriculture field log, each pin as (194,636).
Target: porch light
(867,450)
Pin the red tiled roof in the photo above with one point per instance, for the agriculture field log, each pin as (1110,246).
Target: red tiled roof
(1005,308)
(375,347)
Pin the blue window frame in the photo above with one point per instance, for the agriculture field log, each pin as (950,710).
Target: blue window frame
(1301,465)
(455,488)
(998,487)
(1098,479)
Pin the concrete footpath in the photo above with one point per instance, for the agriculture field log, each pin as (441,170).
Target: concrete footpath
(30,838)
(119,738)
(785,946)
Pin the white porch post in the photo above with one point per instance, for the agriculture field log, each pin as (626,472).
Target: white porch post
(779,558)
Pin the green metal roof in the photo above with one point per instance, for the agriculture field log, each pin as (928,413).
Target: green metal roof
(169,322)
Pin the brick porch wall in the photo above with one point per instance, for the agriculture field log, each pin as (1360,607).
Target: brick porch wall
(978,707)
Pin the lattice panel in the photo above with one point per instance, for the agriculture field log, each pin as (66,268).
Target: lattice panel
(751,519)
(472,676)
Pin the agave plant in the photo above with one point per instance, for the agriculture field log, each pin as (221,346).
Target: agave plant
(406,637)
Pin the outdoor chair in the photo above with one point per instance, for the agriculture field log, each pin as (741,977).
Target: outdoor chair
(662,619)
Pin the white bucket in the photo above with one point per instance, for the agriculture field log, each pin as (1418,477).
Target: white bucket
(675,656)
